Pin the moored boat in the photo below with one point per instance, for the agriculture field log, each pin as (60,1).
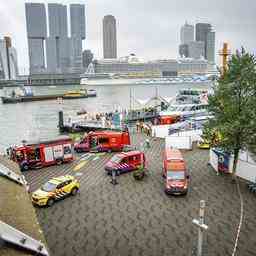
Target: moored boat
(75,94)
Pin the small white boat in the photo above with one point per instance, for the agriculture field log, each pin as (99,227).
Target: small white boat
(91,93)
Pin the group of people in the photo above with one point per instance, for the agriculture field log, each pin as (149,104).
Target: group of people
(143,128)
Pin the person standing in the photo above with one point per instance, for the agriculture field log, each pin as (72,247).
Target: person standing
(113,176)
(137,126)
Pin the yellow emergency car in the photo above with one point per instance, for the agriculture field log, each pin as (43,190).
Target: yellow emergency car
(55,189)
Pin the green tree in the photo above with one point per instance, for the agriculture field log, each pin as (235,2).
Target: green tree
(234,106)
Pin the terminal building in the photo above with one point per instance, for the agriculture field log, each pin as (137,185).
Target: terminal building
(131,66)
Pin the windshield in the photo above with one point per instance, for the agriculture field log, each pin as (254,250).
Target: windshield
(177,175)
(116,159)
(49,187)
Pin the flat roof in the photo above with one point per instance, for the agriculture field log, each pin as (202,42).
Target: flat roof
(17,210)
(173,154)
(130,153)
(176,166)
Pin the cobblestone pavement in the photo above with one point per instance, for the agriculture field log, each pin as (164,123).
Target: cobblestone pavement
(137,218)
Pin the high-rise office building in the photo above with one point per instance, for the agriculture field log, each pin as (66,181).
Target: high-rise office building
(196,49)
(63,53)
(58,31)
(87,58)
(186,36)
(8,60)
(109,37)
(210,47)
(77,20)
(36,33)
(202,29)
(187,33)
(183,50)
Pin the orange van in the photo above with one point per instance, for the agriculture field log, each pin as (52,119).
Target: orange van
(175,172)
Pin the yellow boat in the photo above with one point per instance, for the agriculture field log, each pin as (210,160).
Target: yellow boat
(76,93)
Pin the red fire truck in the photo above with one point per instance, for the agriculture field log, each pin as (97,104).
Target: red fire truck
(101,141)
(43,153)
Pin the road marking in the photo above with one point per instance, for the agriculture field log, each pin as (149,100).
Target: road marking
(96,158)
(80,165)
(85,156)
(101,154)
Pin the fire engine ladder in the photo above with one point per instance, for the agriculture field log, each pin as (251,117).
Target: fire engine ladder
(4,171)
(16,237)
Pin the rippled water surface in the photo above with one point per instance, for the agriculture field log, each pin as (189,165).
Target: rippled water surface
(38,120)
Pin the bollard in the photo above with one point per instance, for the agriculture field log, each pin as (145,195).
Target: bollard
(201,227)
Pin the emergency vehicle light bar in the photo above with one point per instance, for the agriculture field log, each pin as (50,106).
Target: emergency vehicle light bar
(14,236)
(4,171)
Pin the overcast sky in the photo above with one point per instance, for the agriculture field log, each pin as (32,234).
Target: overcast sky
(149,28)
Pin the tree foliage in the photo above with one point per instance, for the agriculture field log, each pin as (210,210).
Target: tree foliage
(234,105)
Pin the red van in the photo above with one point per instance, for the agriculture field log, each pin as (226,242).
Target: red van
(125,162)
(103,141)
(175,172)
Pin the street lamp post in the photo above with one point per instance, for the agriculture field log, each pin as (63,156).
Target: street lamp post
(201,227)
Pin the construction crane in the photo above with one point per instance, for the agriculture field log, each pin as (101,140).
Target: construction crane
(224,52)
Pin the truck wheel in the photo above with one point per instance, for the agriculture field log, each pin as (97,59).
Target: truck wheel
(58,161)
(50,202)
(24,168)
(74,191)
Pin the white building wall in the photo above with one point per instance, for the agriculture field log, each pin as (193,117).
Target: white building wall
(246,166)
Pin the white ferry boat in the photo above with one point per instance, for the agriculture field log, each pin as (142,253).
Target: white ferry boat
(186,110)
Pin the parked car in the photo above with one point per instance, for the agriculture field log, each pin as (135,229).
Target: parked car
(125,162)
(55,189)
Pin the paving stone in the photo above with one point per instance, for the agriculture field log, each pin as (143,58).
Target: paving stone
(137,218)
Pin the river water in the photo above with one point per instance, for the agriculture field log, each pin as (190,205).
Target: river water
(38,120)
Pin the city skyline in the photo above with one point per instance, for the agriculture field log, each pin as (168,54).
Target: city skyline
(52,50)
(236,26)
